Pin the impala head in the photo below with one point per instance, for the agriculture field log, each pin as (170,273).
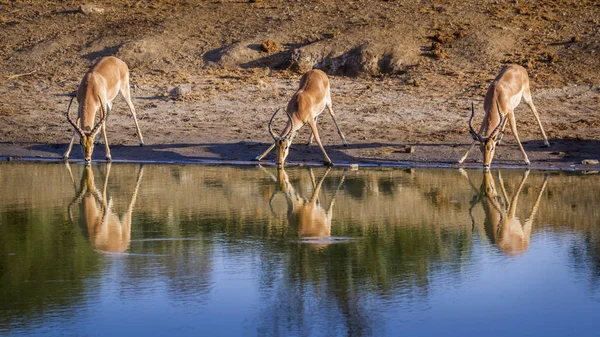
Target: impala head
(487,145)
(284,142)
(87,137)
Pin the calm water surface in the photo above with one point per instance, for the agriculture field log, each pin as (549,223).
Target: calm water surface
(220,251)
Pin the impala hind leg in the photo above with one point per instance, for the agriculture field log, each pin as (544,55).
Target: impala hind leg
(266,152)
(126,92)
(527,99)
(513,127)
(66,155)
(467,153)
(330,109)
(315,132)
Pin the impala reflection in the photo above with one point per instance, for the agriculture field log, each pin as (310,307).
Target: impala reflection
(502,226)
(307,216)
(105,230)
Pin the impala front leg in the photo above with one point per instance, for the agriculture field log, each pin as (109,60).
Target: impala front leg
(313,127)
(467,153)
(312,136)
(66,155)
(108,156)
(513,127)
(266,152)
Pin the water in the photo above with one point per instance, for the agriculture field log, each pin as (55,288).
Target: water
(195,250)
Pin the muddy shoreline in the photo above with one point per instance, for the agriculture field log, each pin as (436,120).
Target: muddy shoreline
(133,154)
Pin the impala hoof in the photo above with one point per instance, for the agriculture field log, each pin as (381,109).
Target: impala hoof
(546,144)
(142,144)
(108,159)
(65,158)
(527,162)
(345,144)
(257,158)
(328,164)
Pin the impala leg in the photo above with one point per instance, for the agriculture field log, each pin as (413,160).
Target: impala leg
(66,155)
(313,127)
(126,92)
(266,152)
(467,153)
(108,156)
(312,136)
(529,102)
(330,109)
(513,127)
(99,137)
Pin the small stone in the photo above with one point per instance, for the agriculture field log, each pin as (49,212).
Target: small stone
(354,167)
(181,91)
(409,149)
(575,39)
(590,162)
(89,9)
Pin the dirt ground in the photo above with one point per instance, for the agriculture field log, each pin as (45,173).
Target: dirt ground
(403,75)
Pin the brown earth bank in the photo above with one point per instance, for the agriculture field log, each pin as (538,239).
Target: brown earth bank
(403,75)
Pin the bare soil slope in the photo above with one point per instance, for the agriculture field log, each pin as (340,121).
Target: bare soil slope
(402,73)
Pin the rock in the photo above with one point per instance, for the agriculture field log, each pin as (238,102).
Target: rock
(590,162)
(89,9)
(354,167)
(181,91)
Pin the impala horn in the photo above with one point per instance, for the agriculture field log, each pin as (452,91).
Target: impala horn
(77,128)
(271,126)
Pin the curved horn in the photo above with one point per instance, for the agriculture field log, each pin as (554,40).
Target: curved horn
(271,126)
(291,122)
(497,129)
(472,131)
(77,128)
(104,115)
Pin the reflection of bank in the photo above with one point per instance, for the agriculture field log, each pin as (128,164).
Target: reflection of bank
(502,226)
(105,230)
(306,215)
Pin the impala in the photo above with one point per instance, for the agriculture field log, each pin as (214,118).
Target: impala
(98,88)
(502,226)
(307,215)
(502,97)
(106,231)
(309,101)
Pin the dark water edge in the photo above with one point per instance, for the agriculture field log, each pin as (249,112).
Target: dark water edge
(220,250)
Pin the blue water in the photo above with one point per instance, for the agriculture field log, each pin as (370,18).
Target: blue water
(231,251)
